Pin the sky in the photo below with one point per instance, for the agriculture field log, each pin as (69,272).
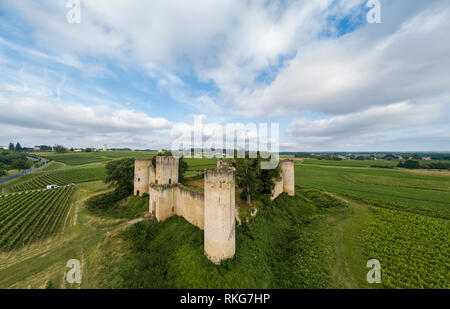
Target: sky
(131,71)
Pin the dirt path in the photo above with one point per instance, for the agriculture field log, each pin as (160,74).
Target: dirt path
(350,268)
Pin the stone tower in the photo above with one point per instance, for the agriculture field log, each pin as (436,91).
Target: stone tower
(166,170)
(287,174)
(219,225)
(141,175)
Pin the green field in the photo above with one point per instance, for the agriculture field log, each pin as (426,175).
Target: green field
(95,157)
(408,228)
(31,216)
(58,177)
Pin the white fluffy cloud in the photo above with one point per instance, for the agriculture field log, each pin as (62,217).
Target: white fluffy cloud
(352,81)
(362,69)
(396,125)
(40,119)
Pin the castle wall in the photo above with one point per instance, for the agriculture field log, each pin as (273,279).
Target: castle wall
(190,205)
(278,189)
(168,200)
(162,201)
(221,163)
(214,211)
(141,176)
(219,232)
(151,174)
(287,174)
(166,170)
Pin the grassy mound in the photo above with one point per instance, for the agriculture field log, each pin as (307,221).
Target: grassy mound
(289,244)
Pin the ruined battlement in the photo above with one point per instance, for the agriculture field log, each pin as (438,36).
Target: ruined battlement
(212,211)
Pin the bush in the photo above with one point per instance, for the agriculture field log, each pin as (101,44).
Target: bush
(49,284)
(411,164)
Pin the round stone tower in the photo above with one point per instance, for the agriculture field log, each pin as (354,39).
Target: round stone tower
(166,170)
(287,174)
(219,225)
(141,180)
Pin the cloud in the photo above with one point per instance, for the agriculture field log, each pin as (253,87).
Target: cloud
(387,125)
(228,60)
(53,119)
(362,69)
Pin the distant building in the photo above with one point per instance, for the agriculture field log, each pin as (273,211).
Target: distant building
(426,158)
(343,157)
(4,147)
(78,150)
(105,148)
(36,148)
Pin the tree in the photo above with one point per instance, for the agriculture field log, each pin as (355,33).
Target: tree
(268,178)
(59,149)
(120,174)
(20,164)
(11,147)
(416,156)
(411,164)
(18,147)
(182,168)
(247,178)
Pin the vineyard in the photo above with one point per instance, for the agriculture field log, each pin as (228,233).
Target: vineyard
(95,157)
(413,250)
(60,178)
(31,216)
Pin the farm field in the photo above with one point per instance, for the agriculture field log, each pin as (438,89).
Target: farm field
(350,163)
(361,163)
(340,218)
(95,157)
(31,216)
(196,165)
(58,177)
(408,229)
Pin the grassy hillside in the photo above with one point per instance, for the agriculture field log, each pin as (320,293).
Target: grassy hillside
(289,244)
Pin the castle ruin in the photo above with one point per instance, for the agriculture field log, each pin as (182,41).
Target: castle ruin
(212,211)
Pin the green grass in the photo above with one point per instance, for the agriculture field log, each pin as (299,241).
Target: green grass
(413,250)
(74,158)
(350,163)
(424,194)
(58,177)
(9,173)
(407,231)
(195,164)
(279,249)
(363,163)
(52,166)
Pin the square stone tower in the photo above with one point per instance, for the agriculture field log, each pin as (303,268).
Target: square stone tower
(166,170)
